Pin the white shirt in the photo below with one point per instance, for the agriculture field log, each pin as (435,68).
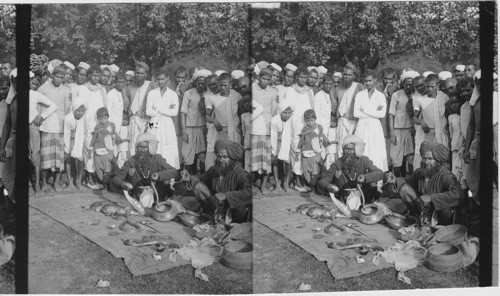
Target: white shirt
(34,110)
(114,104)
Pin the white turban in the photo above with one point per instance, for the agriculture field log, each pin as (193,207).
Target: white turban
(104,66)
(310,68)
(460,68)
(427,73)
(291,67)
(69,65)
(337,74)
(359,144)
(322,70)
(218,72)
(130,72)
(50,68)
(262,64)
(443,75)
(475,93)
(237,74)
(84,65)
(276,66)
(285,104)
(114,68)
(78,101)
(201,73)
(409,74)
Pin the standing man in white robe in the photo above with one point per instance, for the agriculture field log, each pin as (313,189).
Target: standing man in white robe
(369,107)
(163,105)
(134,102)
(347,91)
(288,80)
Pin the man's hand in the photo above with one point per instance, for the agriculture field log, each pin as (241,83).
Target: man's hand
(426,199)
(38,120)
(217,125)
(393,139)
(185,176)
(155,177)
(333,188)
(425,127)
(185,137)
(361,179)
(391,178)
(220,197)
(126,186)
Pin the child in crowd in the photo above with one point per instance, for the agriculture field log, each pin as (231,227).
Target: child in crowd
(123,153)
(281,140)
(103,143)
(73,142)
(246,126)
(457,139)
(311,144)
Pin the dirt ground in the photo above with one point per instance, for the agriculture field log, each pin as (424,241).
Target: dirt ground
(274,253)
(63,261)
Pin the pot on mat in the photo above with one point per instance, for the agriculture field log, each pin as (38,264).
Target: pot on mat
(190,219)
(370,214)
(237,254)
(165,211)
(396,221)
(452,234)
(444,257)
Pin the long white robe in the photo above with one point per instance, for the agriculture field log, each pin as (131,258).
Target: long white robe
(161,124)
(114,103)
(95,100)
(137,124)
(369,127)
(346,126)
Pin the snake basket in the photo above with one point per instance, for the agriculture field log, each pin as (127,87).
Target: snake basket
(237,254)
(444,258)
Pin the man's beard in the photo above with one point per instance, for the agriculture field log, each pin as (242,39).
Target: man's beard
(144,155)
(430,172)
(224,170)
(349,163)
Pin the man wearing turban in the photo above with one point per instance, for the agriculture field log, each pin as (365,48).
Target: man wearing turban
(432,191)
(225,190)
(143,167)
(351,168)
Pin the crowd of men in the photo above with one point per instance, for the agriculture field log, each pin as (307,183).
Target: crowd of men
(290,128)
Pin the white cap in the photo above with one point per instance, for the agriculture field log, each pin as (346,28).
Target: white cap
(84,65)
(104,66)
(236,74)
(427,73)
(218,72)
(262,64)
(69,65)
(443,75)
(322,70)
(130,72)
(114,68)
(310,68)
(460,68)
(276,66)
(256,70)
(337,74)
(291,67)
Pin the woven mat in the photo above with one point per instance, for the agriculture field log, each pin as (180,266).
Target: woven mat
(69,210)
(278,214)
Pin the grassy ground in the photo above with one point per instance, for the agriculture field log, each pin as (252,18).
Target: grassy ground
(76,265)
(274,254)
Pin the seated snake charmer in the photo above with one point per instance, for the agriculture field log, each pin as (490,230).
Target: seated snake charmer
(432,191)
(143,167)
(225,190)
(349,170)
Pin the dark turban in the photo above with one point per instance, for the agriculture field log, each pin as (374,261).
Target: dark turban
(440,152)
(234,150)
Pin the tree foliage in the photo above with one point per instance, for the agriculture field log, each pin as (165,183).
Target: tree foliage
(125,33)
(7,33)
(365,32)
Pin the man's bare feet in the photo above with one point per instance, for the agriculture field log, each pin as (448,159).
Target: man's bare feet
(78,185)
(57,188)
(70,186)
(38,190)
(265,190)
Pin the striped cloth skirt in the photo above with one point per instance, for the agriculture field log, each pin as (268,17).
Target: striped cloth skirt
(261,153)
(52,151)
